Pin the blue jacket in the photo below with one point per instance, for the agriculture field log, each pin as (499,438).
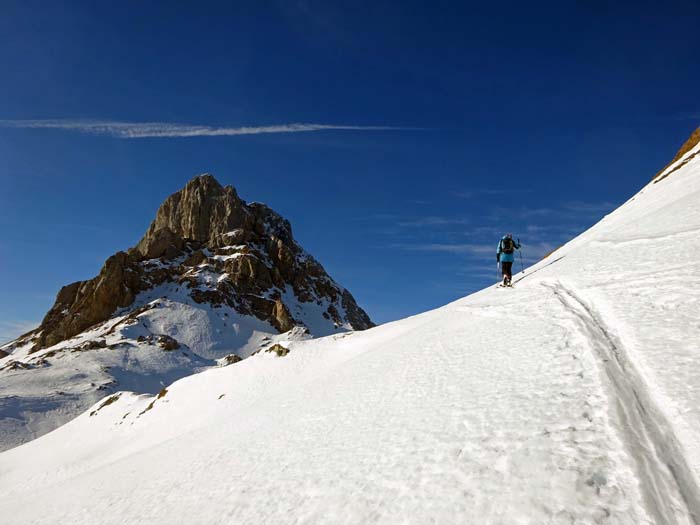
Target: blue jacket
(506,257)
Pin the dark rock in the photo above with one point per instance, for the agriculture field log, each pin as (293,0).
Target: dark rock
(231,359)
(16,365)
(94,344)
(195,259)
(213,297)
(278,349)
(167,343)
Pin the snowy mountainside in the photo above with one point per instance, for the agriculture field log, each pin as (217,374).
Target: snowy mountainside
(572,398)
(213,280)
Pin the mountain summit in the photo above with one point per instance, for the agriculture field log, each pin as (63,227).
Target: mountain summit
(212,278)
(223,252)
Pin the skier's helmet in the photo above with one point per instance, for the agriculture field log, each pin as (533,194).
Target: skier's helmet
(509,235)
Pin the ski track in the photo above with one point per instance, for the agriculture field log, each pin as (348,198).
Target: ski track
(666,479)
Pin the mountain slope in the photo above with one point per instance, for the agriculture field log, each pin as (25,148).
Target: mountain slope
(572,398)
(213,280)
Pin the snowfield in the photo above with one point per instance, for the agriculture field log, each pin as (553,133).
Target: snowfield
(42,390)
(572,398)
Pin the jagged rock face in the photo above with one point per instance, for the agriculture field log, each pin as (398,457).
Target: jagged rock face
(214,216)
(223,251)
(85,303)
(203,211)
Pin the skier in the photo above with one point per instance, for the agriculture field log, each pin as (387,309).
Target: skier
(504,255)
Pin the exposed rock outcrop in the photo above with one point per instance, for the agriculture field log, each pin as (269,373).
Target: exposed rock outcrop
(222,251)
(689,144)
(278,349)
(83,304)
(230,359)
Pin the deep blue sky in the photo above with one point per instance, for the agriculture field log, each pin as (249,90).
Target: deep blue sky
(536,118)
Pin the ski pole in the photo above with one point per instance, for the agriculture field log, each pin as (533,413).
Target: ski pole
(498,271)
(520,252)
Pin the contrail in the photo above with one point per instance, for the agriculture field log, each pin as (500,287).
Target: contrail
(138,130)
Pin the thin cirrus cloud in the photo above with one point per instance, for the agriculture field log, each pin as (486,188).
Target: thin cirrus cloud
(469,249)
(138,130)
(531,252)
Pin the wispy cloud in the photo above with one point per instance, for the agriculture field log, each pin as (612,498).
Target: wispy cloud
(138,130)
(468,249)
(574,210)
(531,252)
(12,329)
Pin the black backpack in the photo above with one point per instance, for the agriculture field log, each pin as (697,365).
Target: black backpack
(507,245)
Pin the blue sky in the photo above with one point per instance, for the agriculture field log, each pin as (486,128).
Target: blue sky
(535,118)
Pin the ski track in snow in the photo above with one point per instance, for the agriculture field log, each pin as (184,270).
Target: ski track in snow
(667,481)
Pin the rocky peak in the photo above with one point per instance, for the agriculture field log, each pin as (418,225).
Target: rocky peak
(203,211)
(223,252)
(206,212)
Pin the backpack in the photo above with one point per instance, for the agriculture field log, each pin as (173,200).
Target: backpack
(507,245)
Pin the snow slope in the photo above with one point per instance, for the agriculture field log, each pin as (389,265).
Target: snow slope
(42,390)
(572,398)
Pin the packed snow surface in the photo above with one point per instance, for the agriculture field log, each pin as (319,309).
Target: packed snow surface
(572,398)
